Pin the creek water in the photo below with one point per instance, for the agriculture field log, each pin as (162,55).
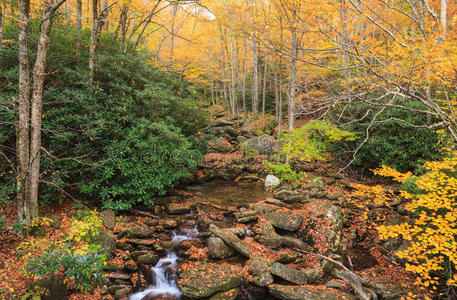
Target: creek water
(165,271)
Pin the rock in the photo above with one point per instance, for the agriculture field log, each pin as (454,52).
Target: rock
(272,182)
(218,249)
(130,265)
(232,131)
(291,242)
(262,207)
(134,255)
(246,216)
(231,240)
(118,276)
(106,240)
(112,289)
(202,281)
(284,219)
(124,246)
(260,145)
(111,268)
(228,295)
(122,292)
(248,219)
(221,123)
(55,286)
(287,258)
(387,289)
(276,202)
(268,236)
(327,220)
(147,259)
(170,224)
(290,196)
(288,273)
(220,145)
(177,209)
(259,269)
(239,232)
(285,292)
(313,275)
(334,284)
(135,230)
(108,218)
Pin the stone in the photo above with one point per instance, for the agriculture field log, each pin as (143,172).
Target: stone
(218,249)
(170,224)
(55,286)
(272,182)
(177,209)
(122,292)
(232,131)
(106,240)
(303,292)
(276,202)
(207,279)
(118,276)
(135,230)
(221,123)
(291,242)
(288,273)
(231,240)
(387,289)
(112,289)
(130,265)
(259,269)
(220,145)
(334,284)
(263,145)
(111,268)
(134,255)
(268,236)
(284,219)
(323,216)
(147,259)
(313,275)
(239,232)
(248,219)
(287,258)
(108,218)
(124,246)
(228,295)
(262,207)
(290,196)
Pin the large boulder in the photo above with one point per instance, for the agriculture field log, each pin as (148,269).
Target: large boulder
(105,239)
(218,249)
(259,268)
(290,196)
(303,292)
(323,226)
(220,145)
(134,230)
(231,239)
(260,145)
(205,280)
(288,273)
(284,219)
(108,218)
(222,123)
(271,182)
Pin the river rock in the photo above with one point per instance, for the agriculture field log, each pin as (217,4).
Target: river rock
(108,218)
(177,209)
(284,219)
(272,182)
(290,196)
(147,259)
(134,230)
(220,145)
(228,295)
(260,145)
(288,273)
(202,281)
(238,231)
(259,268)
(303,292)
(267,235)
(231,240)
(106,240)
(218,249)
(326,220)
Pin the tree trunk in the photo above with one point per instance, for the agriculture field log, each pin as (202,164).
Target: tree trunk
(255,78)
(23,112)
(292,80)
(79,12)
(264,84)
(245,47)
(98,21)
(443,18)
(1,24)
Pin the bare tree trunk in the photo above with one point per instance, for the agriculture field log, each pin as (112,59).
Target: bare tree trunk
(255,78)
(37,105)
(245,46)
(1,24)
(443,18)
(292,80)
(264,83)
(174,12)
(79,12)
(98,21)
(232,75)
(23,111)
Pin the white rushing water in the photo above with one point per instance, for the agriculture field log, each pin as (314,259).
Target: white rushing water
(165,284)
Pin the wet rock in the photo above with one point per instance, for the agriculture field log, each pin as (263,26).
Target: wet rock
(106,240)
(231,240)
(262,207)
(326,219)
(135,230)
(268,236)
(208,279)
(147,259)
(290,196)
(170,224)
(177,209)
(260,145)
(284,219)
(118,276)
(291,242)
(134,255)
(149,274)
(218,249)
(285,292)
(112,289)
(111,268)
(220,145)
(130,265)
(122,292)
(108,218)
(272,182)
(228,295)
(288,273)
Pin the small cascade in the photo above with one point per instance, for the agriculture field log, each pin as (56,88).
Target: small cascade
(165,271)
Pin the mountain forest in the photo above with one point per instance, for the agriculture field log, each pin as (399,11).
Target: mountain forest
(228,149)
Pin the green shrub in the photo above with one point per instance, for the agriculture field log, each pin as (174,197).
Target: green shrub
(391,142)
(86,131)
